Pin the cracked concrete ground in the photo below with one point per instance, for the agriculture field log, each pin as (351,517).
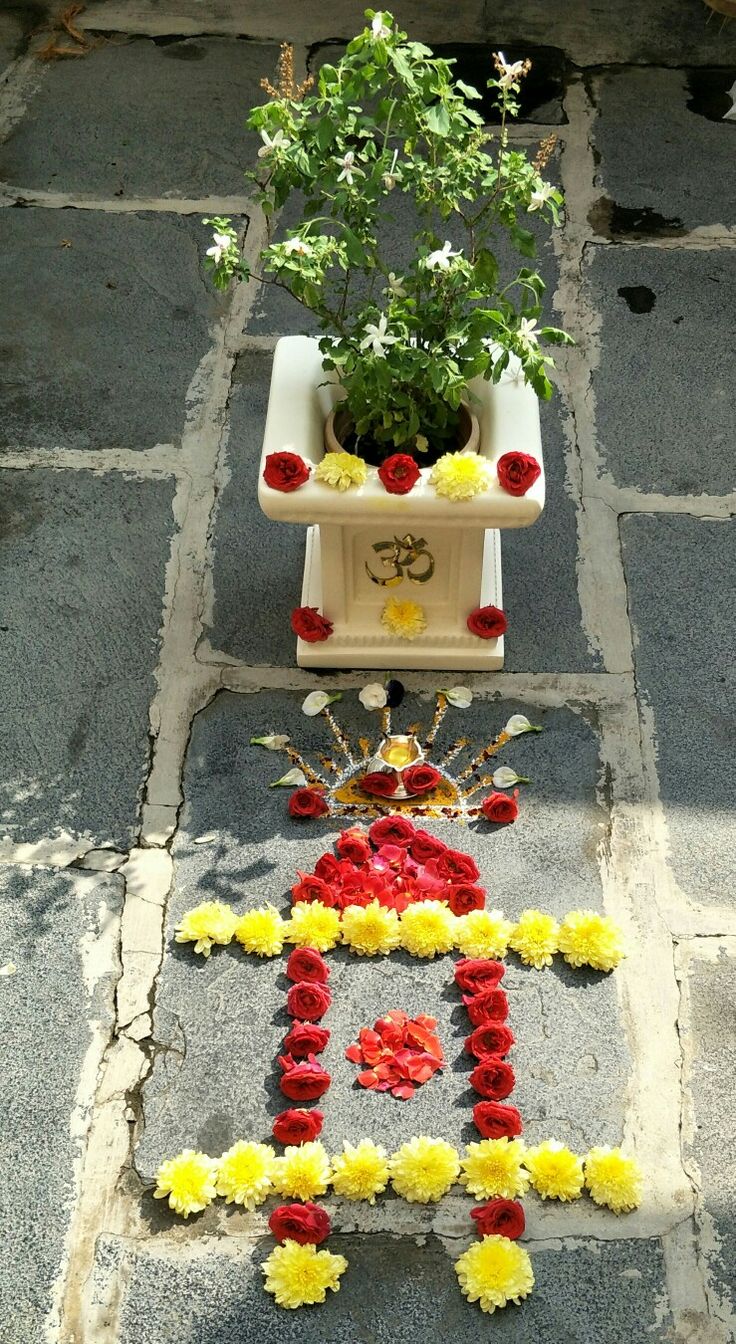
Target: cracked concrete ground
(137,663)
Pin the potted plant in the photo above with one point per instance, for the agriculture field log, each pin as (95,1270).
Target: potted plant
(407,434)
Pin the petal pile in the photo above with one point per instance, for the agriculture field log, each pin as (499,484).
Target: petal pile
(401,1053)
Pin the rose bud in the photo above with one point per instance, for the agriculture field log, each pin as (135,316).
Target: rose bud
(491,1005)
(490,1038)
(493,1078)
(517,472)
(308,1001)
(487,622)
(306,964)
(305,1081)
(396,830)
(494,1121)
(457,867)
(297,1125)
(379,784)
(499,1218)
(305,1038)
(476,973)
(465,897)
(306,1223)
(425,847)
(308,802)
(307,623)
(285,471)
(500,807)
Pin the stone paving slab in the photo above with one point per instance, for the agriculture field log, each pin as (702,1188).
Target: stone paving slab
(394,1289)
(664,152)
(223,1020)
(104,321)
(138,117)
(663,379)
(681,575)
(82,562)
(712,993)
(51,1010)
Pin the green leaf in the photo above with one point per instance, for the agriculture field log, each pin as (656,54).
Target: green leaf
(523,240)
(438,119)
(353,247)
(486,269)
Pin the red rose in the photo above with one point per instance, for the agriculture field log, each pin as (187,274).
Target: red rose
(297,1126)
(490,1038)
(398,474)
(306,1223)
(425,847)
(308,802)
(493,1078)
(311,888)
(285,471)
(494,1121)
(457,867)
(491,1005)
(498,1218)
(307,623)
(306,964)
(308,1001)
(500,807)
(476,974)
(379,783)
(305,1081)
(306,1039)
(328,868)
(420,778)
(487,622)
(517,472)
(396,830)
(464,897)
(354,844)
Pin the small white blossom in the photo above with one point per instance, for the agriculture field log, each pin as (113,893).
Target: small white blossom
(270,143)
(504,778)
(293,779)
(298,246)
(9,968)
(373,696)
(377,338)
(526,333)
(518,724)
(395,286)
(442,259)
(389,178)
(350,169)
(221,244)
(459,696)
(510,74)
(316,701)
(540,197)
(379,29)
(273,742)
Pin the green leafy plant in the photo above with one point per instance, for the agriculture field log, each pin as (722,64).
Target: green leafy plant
(404,340)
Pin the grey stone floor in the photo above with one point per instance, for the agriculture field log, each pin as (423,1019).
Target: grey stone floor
(144,606)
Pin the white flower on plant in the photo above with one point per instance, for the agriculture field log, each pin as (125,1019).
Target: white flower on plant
(510,74)
(504,778)
(526,333)
(540,197)
(316,701)
(518,724)
(459,696)
(272,742)
(389,178)
(293,779)
(441,260)
(272,142)
(377,338)
(373,696)
(379,29)
(350,169)
(395,286)
(221,243)
(298,246)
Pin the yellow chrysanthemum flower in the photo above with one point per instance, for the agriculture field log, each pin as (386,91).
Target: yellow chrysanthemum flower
(495,1271)
(535,938)
(613,1180)
(370,930)
(423,1169)
(483,933)
(403,618)
(341,470)
(245,1173)
(361,1172)
(299,1276)
(189,1181)
(555,1172)
(495,1167)
(427,928)
(460,476)
(590,939)
(303,1172)
(313,924)
(208,923)
(261,931)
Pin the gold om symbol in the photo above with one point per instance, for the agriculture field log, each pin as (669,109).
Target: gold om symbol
(403,552)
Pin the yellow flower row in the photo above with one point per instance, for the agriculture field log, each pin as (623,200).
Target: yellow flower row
(457,476)
(420,1171)
(426,929)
